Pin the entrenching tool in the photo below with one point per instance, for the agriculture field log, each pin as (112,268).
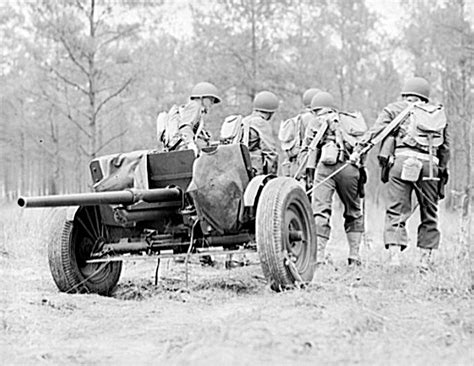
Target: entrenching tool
(431,163)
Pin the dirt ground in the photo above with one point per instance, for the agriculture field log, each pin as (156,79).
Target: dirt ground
(372,315)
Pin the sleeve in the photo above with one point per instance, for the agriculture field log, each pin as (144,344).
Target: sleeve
(310,132)
(384,118)
(254,139)
(270,158)
(190,116)
(262,152)
(443,153)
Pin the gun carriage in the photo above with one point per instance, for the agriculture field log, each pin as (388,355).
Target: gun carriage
(171,204)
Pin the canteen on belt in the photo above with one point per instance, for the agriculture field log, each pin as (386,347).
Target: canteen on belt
(411,169)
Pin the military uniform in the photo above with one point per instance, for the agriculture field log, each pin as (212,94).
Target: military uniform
(261,144)
(345,183)
(292,141)
(399,191)
(192,134)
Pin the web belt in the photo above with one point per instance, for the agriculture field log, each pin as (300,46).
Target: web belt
(416,154)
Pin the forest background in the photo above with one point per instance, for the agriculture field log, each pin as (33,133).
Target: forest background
(83,78)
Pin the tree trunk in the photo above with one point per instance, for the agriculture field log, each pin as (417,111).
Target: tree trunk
(253,89)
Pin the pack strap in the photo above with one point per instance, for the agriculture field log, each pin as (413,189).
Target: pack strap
(199,127)
(246,131)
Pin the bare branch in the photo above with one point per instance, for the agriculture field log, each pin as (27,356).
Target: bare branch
(69,82)
(55,102)
(64,113)
(113,95)
(72,57)
(111,140)
(101,17)
(118,35)
(84,151)
(80,6)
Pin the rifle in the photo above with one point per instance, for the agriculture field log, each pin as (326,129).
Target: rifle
(392,126)
(312,146)
(355,156)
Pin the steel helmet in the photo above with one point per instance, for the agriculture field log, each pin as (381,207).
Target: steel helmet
(265,101)
(418,87)
(308,96)
(205,89)
(322,100)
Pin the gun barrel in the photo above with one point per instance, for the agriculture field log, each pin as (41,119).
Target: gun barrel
(125,197)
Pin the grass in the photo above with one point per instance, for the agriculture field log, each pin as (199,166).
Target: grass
(370,315)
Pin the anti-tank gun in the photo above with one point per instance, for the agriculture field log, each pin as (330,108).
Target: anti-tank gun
(171,204)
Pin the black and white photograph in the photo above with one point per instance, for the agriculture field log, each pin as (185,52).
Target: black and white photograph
(236,182)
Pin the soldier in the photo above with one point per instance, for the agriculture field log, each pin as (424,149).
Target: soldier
(417,158)
(258,135)
(329,178)
(184,126)
(184,129)
(291,136)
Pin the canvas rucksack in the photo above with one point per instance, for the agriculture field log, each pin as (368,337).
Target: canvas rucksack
(232,130)
(353,127)
(167,127)
(426,122)
(289,135)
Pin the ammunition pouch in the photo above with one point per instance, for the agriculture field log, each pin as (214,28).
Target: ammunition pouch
(362,181)
(329,153)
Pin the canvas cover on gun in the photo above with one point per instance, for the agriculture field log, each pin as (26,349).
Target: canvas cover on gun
(118,171)
(218,185)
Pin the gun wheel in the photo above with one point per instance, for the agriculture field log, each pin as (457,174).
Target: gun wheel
(72,244)
(285,234)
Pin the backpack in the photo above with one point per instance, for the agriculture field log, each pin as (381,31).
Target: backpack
(167,127)
(353,127)
(289,135)
(232,130)
(426,122)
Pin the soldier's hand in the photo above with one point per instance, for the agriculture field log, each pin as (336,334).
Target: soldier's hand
(354,158)
(443,175)
(383,161)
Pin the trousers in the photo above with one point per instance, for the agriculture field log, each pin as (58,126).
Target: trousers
(345,183)
(399,207)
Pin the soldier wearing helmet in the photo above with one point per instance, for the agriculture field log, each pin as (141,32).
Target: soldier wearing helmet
(333,153)
(191,133)
(291,135)
(414,159)
(258,134)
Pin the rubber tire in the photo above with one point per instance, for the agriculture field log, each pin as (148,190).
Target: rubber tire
(64,266)
(282,200)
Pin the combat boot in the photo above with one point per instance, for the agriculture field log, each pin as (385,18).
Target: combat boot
(321,250)
(354,238)
(394,255)
(426,260)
